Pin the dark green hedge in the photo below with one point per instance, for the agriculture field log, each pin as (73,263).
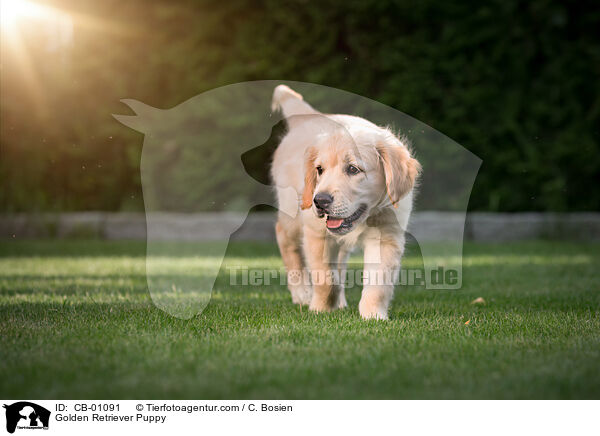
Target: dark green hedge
(515,82)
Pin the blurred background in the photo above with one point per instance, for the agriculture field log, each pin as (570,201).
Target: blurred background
(517,83)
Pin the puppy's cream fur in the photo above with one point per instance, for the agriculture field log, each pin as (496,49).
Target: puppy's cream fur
(383,189)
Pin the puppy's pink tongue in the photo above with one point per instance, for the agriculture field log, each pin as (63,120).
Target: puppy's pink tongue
(333,223)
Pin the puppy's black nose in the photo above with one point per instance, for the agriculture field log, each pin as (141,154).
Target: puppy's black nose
(323,200)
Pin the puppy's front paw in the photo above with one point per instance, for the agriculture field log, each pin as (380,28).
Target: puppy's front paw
(372,306)
(373,314)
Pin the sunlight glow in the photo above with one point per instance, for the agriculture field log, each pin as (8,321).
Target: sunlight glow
(12,10)
(29,31)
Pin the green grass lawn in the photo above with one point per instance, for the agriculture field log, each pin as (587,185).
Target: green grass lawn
(76,321)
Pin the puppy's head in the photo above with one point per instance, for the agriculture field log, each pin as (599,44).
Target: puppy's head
(349,175)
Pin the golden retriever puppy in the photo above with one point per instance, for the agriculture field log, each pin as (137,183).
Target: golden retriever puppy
(352,186)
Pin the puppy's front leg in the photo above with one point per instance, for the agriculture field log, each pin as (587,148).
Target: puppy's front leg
(381,266)
(342,259)
(326,289)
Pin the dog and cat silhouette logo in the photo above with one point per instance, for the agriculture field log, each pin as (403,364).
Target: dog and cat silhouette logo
(26,415)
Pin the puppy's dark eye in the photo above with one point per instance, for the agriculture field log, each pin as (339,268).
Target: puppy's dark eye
(319,170)
(351,170)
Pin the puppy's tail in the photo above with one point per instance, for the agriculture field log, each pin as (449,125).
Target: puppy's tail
(290,102)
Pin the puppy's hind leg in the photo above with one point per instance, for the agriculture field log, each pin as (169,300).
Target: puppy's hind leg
(291,252)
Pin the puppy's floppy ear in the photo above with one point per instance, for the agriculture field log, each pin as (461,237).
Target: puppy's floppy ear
(401,170)
(310,178)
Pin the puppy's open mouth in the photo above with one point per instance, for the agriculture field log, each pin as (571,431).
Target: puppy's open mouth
(343,225)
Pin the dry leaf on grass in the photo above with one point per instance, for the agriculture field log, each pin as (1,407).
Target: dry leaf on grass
(479,300)
(468,321)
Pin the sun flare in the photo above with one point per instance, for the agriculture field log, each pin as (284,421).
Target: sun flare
(13,10)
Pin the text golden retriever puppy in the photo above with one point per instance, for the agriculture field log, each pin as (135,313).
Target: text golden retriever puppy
(352,187)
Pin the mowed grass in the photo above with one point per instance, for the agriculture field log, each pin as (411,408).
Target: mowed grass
(77,321)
